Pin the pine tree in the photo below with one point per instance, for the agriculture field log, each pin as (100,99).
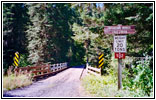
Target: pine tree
(37,34)
(91,29)
(15,20)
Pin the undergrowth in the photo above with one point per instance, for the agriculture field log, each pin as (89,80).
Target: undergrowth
(136,81)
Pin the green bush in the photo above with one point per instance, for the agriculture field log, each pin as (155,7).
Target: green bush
(139,77)
(23,60)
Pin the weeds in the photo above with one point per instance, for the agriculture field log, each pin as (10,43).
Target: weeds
(12,80)
(106,86)
(137,82)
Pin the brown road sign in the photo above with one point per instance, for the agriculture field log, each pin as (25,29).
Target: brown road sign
(119,29)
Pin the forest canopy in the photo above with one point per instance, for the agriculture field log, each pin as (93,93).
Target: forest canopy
(63,32)
(74,33)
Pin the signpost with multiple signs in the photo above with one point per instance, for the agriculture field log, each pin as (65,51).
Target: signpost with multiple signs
(119,45)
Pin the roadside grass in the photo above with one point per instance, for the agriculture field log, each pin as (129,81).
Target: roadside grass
(12,81)
(106,86)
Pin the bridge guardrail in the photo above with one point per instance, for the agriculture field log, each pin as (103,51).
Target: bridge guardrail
(94,71)
(41,70)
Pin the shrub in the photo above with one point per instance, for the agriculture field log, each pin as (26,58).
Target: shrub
(139,77)
(23,60)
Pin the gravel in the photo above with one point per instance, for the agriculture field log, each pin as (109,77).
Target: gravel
(64,84)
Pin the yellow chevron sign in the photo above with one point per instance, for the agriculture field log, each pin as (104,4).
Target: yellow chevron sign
(101,60)
(16,59)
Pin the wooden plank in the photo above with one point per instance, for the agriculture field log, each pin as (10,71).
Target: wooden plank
(95,69)
(93,73)
(37,67)
(40,71)
(42,75)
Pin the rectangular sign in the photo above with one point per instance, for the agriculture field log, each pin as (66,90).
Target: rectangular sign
(119,44)
(119,29)
(119,55)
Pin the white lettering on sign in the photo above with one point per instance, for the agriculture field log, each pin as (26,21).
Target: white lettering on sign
(126,27)
(114,27)
(120,43)
(119,29)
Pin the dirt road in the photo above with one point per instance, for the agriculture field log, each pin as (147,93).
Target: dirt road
(63,84)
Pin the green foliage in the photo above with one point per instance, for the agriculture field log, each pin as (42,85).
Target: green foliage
(52,32)
(23,61)
(36,33)
(50,38)
(139,77)
(137,81)
(106,86)
(15,20)
(91,28)
(76,55)
(61,47)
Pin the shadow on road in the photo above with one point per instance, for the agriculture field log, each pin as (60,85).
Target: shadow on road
(9,95)
(81,66)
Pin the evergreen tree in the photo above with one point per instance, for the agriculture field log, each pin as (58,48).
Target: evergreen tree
(36,33)
(91,30)
(97,15)
(61,47)
(15,20)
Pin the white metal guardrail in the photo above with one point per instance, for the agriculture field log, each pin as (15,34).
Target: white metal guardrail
(58,67)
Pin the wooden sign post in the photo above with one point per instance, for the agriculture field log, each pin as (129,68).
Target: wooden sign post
(119,45)
(119,74)
(120,49)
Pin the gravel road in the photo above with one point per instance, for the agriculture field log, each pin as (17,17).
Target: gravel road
(63,84)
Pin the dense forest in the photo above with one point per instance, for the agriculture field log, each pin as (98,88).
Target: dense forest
(71,32)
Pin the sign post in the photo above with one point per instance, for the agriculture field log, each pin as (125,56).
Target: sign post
(119,45)
(120,50)
(119,74)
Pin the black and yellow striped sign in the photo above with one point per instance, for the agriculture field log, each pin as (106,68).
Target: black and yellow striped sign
(16,59)
(101,60)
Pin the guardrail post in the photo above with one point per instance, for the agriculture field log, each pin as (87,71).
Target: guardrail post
(100,72)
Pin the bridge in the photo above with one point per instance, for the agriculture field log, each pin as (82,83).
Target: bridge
(62,81)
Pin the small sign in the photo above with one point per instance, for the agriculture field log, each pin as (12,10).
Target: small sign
(119,29)
(119,55)
(101,60)
(16,59)
(120,44)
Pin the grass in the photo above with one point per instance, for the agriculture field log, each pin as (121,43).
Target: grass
(106,86)
(12,81)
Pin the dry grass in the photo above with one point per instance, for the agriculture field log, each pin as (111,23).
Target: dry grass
(12,81)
